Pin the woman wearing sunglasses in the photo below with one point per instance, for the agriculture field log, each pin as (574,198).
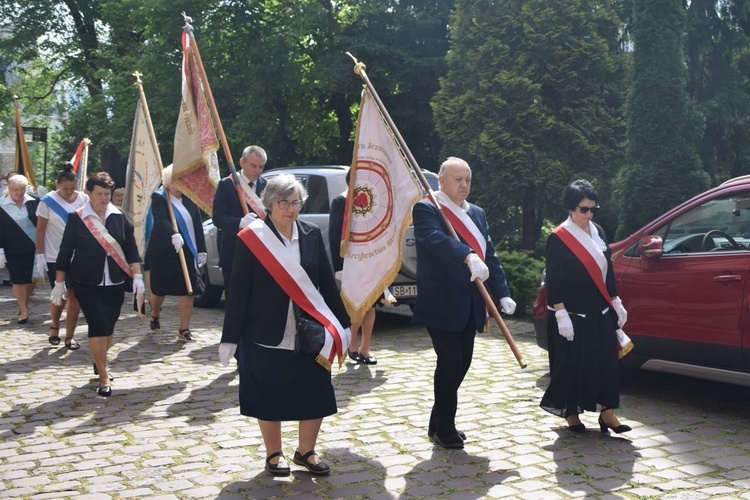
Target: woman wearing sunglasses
(584,316)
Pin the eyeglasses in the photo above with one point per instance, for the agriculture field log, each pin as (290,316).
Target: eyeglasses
(585,210)
(284,204)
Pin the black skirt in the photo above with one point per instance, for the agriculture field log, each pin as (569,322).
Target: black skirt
(20,267)
(101,306)
(586,371)
(280,385)
(167,277)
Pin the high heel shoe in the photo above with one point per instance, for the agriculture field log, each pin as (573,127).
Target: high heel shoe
(604,427)
(577,428)
(96,372)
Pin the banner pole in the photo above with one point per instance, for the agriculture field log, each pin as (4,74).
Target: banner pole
(152,135)
(359,68)
(188,29)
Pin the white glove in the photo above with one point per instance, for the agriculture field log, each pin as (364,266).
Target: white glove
(508,305)
(247,219)
(139,288)
(41,264)
(226,352)
(622,314)
(564,325)
(59,293)
(478,268)
(2,258)
(177,241)
(202,257)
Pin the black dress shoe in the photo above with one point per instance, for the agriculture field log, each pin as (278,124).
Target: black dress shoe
(356,357)
(281,468)
(105,391)
(604,427)
(577,428)
(431,434)
(319,469)
(368,360)
(454,441)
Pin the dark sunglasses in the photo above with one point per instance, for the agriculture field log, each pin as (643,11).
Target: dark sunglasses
(585,210)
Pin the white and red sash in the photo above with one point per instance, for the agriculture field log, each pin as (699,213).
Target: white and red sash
(584,248)
(253,200)
(465,227)
(295,282)
(107,242)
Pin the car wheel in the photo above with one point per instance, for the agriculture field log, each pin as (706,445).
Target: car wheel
(206,294)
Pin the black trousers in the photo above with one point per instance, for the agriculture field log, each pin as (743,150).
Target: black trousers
(454,352)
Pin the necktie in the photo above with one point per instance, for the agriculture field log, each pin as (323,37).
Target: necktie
(252,185)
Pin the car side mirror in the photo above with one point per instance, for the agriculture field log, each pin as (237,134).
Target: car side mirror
(651,247)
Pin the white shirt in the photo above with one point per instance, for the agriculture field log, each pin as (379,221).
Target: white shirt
(55,224)
(111,209)
(290,331)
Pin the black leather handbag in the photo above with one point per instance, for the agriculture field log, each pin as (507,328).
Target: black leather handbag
(311,335)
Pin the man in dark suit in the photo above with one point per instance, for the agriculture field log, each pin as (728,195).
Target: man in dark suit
(228,215)
(448,302)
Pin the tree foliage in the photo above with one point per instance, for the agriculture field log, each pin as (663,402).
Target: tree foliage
(278,70)
(663,127)
(532,99)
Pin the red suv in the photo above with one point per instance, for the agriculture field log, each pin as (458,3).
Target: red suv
(684,280)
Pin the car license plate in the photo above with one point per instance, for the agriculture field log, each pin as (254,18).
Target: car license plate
(404,290)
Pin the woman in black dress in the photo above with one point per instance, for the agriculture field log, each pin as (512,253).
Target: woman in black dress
(583,318)
(162,259)
(99,252)
(276,383)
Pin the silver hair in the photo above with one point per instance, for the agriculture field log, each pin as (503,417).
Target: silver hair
(452,161)
(255,150)
(18,180)
(279,187)
(166,176)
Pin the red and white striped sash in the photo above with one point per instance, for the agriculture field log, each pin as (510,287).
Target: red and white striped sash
(463,224)
(252,200)
(295,282)
(107,242)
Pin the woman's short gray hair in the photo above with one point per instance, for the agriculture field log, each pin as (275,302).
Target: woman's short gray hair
(279,187)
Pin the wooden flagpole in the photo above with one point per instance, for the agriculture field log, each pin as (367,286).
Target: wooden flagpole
(359,68)
(84,162)
(215,113)
(152,134)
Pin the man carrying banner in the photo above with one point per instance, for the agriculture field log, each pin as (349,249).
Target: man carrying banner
(449,304)
(228,214)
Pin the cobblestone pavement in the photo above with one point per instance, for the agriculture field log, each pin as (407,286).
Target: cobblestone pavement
(172,429)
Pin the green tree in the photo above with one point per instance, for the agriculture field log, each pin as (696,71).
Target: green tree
(718,58)
(532,99)
(663,129)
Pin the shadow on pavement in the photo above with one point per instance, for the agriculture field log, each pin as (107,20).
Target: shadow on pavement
(583,460)
(204,404)
(352,476)
(124,406)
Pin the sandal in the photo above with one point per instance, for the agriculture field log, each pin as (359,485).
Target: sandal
(185,336)
(54,339)
(154,325)
(319,469)
(281,468)
(71,344)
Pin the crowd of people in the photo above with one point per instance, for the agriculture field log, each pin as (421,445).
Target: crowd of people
(277,277)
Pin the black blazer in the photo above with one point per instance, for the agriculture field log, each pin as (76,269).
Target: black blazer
(227,213)
(160,243)
(82,257)
(12,237)
(446,297)
(569,282)
(335,224)
(257,306)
